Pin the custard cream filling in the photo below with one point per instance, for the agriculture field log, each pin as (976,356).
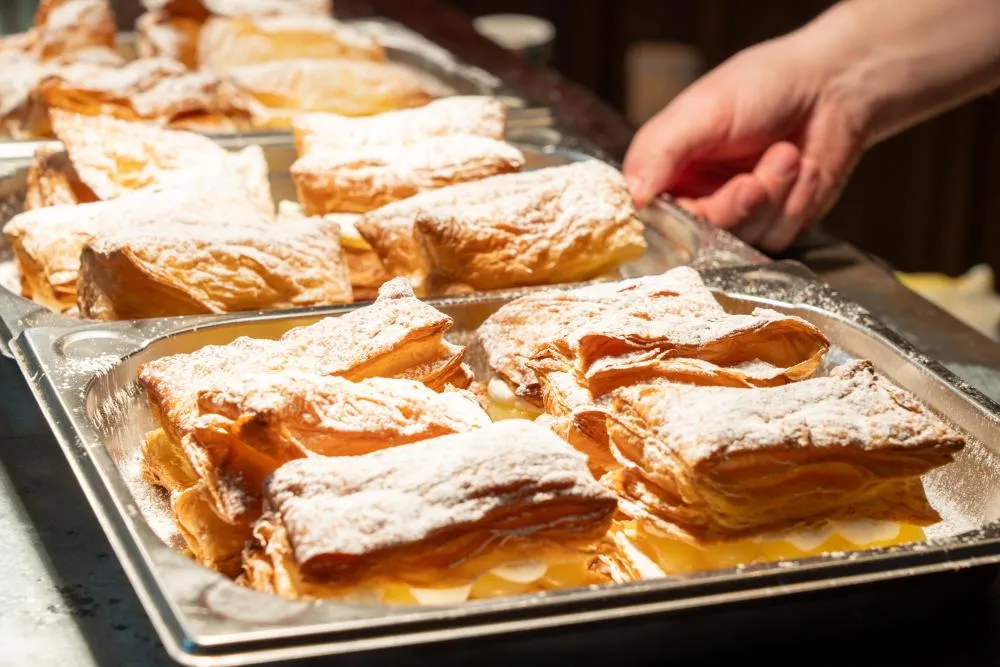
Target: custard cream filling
(505,405)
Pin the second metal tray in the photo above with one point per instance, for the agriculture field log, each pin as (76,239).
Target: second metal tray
(84,378)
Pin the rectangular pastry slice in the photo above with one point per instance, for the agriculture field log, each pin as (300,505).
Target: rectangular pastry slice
(171,271)
(397,336)
(705,464)
(480,116)
(559,224)
(47,242)
(156,90)
(286,88)
(227,43)
(112,157)
(507,509)
(359,180)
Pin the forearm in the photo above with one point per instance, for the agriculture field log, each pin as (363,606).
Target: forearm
(902,62)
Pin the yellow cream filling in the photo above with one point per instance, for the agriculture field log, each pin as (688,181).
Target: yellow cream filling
(504,404)
(676,557)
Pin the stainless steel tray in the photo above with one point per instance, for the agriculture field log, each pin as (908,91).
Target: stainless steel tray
(673,236)
(84,380)
(442,72)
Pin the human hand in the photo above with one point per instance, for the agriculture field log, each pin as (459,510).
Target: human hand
(762,145)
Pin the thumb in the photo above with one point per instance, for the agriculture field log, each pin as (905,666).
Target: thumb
(664,145)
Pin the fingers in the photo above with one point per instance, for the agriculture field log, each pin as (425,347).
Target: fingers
(664,145)
(777,172)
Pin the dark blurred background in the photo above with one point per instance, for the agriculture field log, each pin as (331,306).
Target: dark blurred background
(928,200)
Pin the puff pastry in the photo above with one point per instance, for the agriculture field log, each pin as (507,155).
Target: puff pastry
(47,242)
(157,90)
(112,157)
(560,224)
(283,89)
(705,464)
(52,181)
(480,116)
(162,35)
(396,336)
(201,9)
(363,264)
(227,43)
(165,271)
(63,27)
(363,179)
(431,515)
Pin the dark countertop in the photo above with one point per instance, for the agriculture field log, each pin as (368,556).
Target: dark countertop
(67,601)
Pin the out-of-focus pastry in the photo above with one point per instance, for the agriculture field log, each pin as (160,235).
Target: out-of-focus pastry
(156,90)
(563,351)
(47,242)
(112,157)
(165,271)
(363,179)
(505,510)
(161,35)
(227,43)
(283,89)
(64,26)
(52,181)
(480,116)
(710,465)
(560,224)
(201,9)
(397,336)
(363,264)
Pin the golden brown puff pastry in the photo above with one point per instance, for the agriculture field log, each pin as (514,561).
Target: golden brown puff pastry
(396,336)
(286,88)
(227,43)
(522,328)
(363,179)
(113,157)
(165,271)
(64,26)
(201,9)
(559,224)
(161,35)
(156,90)
(434,514)
(52,181)
(705,464)
(363,263)
(47,242)
(476,115)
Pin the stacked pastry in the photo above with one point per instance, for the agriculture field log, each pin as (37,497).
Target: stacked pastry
(438,201)
(708,425)
(128,220)
(346,459)
(221,66)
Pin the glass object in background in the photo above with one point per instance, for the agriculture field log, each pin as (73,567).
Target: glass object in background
(529,36)
(16,15)
(655,72)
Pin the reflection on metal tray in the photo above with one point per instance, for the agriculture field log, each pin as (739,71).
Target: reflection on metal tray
(672,236)
(84,379)
(440,71)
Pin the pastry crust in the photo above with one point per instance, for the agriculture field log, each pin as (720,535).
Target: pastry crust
(112,157)
(165,271)
(157,90)
(480,116)
(284,89)
(363,179)
(162,35)
(396,336)
(559,224)
(705,464)
(227,43)
(52,181)
(47,242)
(66,26)
(434,512)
